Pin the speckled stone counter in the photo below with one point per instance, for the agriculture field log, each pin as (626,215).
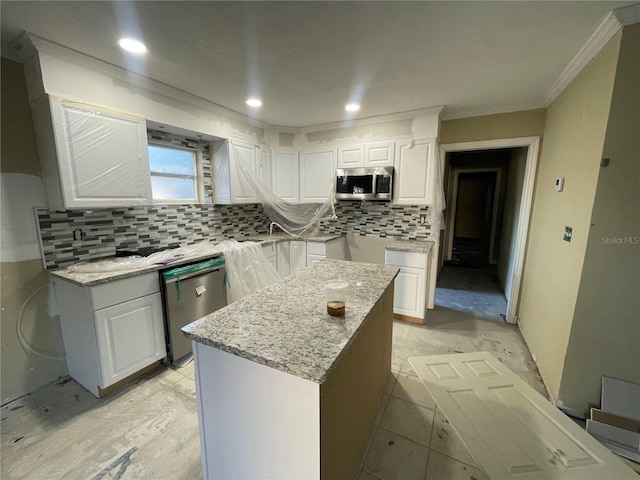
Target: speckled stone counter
(411,246)
(283,237)
(286,325)
(91,279)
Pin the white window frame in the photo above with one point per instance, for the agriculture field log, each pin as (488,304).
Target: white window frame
(198,177)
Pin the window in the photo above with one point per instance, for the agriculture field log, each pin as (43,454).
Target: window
(174,174)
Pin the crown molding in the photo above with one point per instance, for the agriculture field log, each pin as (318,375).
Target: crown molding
(483,112)
(605,31)
(118,73)
(390,117)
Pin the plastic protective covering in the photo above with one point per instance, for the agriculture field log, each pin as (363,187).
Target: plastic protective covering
(248,270)
(436,199)
(100,163)
(294,219)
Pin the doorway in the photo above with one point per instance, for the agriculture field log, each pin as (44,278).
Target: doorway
(513,187)
(474,212)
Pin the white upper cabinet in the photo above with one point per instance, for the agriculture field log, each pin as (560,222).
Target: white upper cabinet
(351,156)
(263,166)
(233,164)
(91,157)
(411,178)
(317,172)
(379,154)
(285,180)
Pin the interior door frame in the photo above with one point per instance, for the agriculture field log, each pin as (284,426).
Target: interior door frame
(452,200)
(532,144)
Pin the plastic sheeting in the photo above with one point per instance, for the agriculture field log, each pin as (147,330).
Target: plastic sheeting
(294,219)
(436,199)
(248,269)
(134,262)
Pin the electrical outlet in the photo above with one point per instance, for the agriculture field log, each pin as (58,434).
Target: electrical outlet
(423,219)
(78,234)
(568,231)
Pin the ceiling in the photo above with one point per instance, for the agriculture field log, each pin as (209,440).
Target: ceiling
(306,60)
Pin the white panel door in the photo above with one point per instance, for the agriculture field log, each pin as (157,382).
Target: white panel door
(243,162)
(130,337)
(411,176)
(351,156)
(379,154)
(511,431)
(297,255)
(409,292)
(102,156)
(317,169)
(285,178)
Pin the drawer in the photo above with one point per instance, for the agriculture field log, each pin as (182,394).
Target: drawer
(118,291)
(269,249)
(317,248)
(405,259)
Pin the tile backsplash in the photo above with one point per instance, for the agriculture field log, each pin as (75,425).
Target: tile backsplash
(104,231)
(379,219)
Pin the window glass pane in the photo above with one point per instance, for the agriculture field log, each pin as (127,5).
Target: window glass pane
(169,160)
(168,188)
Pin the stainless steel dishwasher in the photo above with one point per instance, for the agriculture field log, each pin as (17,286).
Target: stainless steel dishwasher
(190,292)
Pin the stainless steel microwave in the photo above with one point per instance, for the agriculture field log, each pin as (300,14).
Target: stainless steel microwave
(364,183)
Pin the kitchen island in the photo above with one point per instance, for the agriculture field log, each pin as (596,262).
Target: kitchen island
(283,389)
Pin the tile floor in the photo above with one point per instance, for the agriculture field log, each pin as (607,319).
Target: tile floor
(149,428)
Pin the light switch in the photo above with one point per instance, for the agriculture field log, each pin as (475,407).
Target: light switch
(559,184)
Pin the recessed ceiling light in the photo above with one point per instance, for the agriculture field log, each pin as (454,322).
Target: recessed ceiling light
(254,102)
(131,45)
(352,107)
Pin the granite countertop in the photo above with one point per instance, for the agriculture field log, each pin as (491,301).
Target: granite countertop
(286,325)
(91,279)
(283,237)
(411,246)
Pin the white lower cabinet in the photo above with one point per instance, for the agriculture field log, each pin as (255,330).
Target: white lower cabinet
(410,292)
(297,255)
(129,336)
(282,255)
(294,255)
(334,249)
(269,250)
(111,330)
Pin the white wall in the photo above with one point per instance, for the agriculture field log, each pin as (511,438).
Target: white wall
(56,75)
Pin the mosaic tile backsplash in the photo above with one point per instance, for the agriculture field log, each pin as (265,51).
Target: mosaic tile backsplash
(104,231)
(379,219)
